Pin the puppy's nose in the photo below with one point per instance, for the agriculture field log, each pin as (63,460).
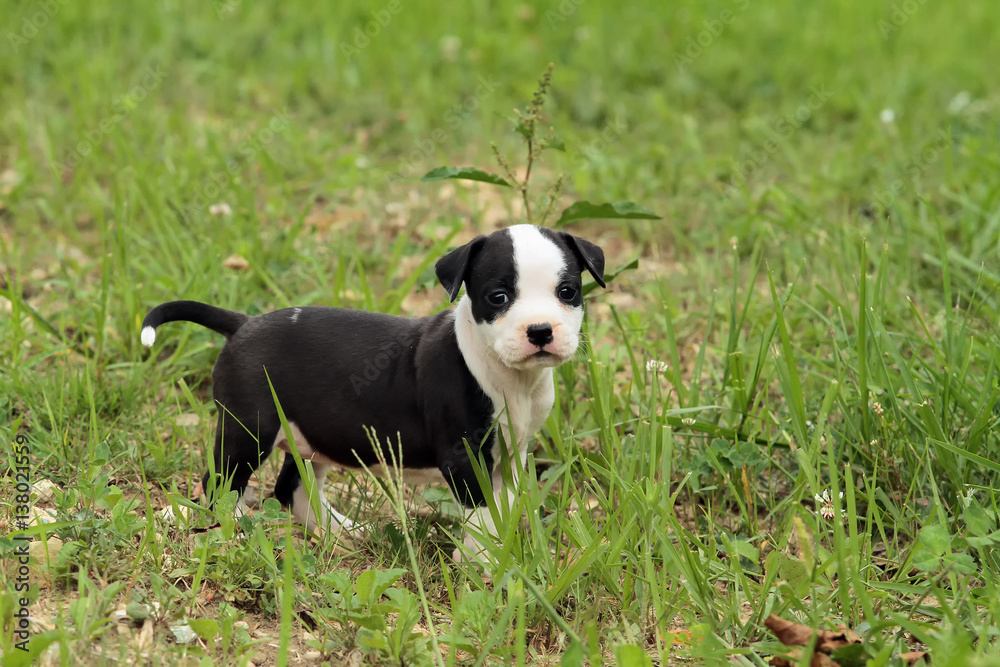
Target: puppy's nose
(540,334)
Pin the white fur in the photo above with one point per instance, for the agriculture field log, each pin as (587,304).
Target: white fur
(294,317)
(539,263)
(302,508)
(148,336)
(168,515)
(241,504)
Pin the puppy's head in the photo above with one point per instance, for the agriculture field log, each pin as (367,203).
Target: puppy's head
(524,288)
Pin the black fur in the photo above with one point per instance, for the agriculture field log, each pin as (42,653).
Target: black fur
(220,320)
(355,360)
(579,253)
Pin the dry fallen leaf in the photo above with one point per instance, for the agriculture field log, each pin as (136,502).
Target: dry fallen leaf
(787,632)
(796,634)
(831,641)
(913,657)
(818,660)
(236,263)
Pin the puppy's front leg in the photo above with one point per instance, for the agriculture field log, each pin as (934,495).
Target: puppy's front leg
(481,521)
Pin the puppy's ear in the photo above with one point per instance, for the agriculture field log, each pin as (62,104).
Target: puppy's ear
(590,255)
(453,268)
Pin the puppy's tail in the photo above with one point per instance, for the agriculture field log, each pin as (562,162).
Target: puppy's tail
(225,322)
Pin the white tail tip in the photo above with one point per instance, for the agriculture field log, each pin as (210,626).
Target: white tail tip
(148,336)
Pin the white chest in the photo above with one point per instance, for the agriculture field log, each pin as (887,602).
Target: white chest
(521,408)
(522,399)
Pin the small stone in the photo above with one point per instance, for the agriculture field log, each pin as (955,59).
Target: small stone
(42,515)
(183,633)
(145,641)
(43,554)
(187,419)
(44,490)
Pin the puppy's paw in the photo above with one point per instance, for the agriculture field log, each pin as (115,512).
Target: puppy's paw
(471,551)
(172,518)
(249,498)
(355,529)
(460,555)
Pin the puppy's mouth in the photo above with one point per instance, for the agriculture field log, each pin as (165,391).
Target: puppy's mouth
(541,358)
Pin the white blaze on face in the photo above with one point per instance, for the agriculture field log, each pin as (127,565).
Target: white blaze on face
(540,264)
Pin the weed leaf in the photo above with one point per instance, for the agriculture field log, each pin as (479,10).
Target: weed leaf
(205,628)
(632,656)
(465,174)
(621,210)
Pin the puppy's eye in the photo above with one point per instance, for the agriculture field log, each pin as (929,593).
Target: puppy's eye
(567,293)
(498,298)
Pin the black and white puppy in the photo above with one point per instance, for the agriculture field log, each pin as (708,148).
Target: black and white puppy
(427,385)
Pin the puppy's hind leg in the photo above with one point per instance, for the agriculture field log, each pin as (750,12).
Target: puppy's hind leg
(290,490)
(238,453)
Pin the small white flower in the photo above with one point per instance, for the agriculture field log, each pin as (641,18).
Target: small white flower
(220,209)
(688,421)
(656,365)
(825,504)
(959,102)
(887,116)
(877,407)
(451,46)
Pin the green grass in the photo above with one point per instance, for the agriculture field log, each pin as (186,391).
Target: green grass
(823,291)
